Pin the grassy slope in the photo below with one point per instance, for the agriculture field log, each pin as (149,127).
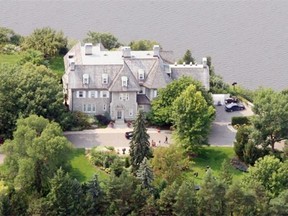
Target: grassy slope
(56,64)
(82,169)
(213,157)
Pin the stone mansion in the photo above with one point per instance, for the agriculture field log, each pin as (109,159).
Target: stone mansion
(97,81)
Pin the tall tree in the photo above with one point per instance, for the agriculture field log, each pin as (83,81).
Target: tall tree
(46,40)
(270,119)
(193,117)
(269,172)
(162,105)
(142,44)
(212,196)
(225,174)
(36,152)
(187,58)
(139,145)
(145,175)
(33,56)
(65,197)
(186,200)
(108,40)
(28,90)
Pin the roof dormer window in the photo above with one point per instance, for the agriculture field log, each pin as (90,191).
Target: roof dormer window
(104,78)
(141,74)
(85,79)
(124,81)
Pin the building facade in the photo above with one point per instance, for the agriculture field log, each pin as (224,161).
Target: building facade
(98,81)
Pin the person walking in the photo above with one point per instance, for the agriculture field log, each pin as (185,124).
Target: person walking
(166,140)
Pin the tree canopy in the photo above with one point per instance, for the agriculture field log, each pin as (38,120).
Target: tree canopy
(139,145)
(36,152)
(192,116)
(161,108)
(142,45)
(108,40)
(270,119)
(46,40)
(28,90)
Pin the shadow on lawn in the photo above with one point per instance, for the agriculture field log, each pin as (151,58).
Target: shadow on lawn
(75,172)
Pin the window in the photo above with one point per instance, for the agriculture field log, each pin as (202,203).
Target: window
(141,74)
(104,78)
(81,94)
(124,81)
(104,94)
(104,107)
(85,79)
(92,94)
(130,112)
(89,108)
(123,96)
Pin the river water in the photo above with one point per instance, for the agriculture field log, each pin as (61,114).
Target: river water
(246,39)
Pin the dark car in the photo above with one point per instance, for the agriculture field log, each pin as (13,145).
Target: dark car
(234,107)
(129,134)
(231,100)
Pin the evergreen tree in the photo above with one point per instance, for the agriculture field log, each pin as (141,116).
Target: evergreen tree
(187,58)
(225,174)
(186,200)
(212,196)
(145,174)
(139,145)
(94,197)
(66,196)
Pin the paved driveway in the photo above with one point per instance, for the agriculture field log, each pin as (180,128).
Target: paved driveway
(222,133)
(111,137)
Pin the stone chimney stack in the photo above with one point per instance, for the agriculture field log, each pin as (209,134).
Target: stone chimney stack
(156,50)
(126,52)
(204,62)
(88,48)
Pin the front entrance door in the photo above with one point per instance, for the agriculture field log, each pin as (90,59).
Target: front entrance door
(119,114)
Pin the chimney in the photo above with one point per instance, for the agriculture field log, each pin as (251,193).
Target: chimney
(191,63)
(88,48)
(184,63)
(126,52)
(175,63)
(204,62)
(156,50)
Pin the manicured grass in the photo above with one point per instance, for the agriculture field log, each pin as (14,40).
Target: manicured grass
(213,157)
(57,65)
(82,169)
(9,59)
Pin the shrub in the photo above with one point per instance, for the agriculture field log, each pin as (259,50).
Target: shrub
(117,167)
(103,158)
(240,120)
(102,119)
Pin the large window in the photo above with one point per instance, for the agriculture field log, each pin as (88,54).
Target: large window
(123,96)
(89,108)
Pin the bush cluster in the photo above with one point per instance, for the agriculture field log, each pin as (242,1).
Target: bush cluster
(240,120)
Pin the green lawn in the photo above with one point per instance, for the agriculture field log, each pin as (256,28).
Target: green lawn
(56,64)
(82,169)
(213,157)
(9,59)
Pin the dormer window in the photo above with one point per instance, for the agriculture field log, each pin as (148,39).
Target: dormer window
(85,79)
(104,78)
(141,74)
(124,81)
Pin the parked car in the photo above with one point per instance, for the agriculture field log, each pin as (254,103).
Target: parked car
(231,100)
(234,107)
(129,134)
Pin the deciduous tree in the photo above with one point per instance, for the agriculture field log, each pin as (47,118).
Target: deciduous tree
(108,40)
(193,117)
(46,40)
(142,44)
